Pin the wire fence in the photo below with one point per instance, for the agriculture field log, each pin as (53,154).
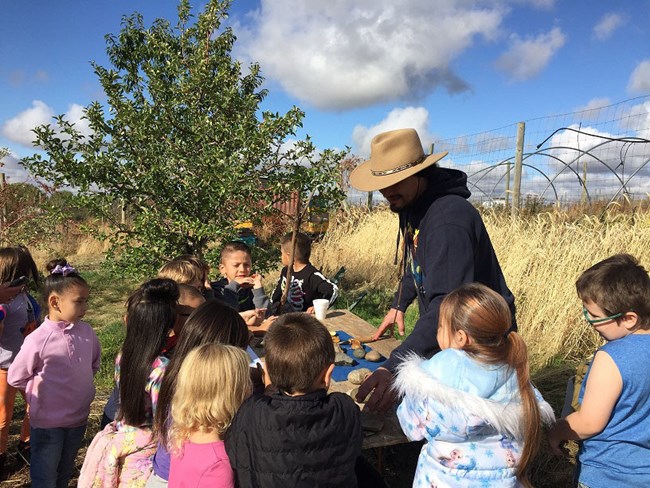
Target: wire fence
(601,153)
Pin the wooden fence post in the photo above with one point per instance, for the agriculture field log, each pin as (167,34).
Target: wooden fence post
(508,167)
(519,153)
(3,185)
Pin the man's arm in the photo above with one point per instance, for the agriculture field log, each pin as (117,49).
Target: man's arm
(404,296)
(603,389)
(405,293)
(446,255)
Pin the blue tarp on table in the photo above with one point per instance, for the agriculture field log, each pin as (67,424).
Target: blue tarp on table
(341,372)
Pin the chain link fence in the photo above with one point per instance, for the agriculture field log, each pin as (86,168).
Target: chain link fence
(598,154)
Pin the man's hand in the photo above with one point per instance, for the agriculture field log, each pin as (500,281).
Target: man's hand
(383,396)
(393,317)
(7,294)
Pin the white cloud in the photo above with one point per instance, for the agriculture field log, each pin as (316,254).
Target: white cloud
(640,78)
(637,120)
(607,25)
(353,53)
(565,158)
(592,109)
(399,118)
(75,115)
(13,170)
(19,128)
(607,163)
(526,58)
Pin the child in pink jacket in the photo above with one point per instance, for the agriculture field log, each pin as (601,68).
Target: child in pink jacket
(56,367)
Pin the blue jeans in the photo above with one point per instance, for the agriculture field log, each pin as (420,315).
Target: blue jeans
(53,453)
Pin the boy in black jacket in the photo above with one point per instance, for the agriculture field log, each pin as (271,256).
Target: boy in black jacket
(307,282)
(297,436)
(239,288)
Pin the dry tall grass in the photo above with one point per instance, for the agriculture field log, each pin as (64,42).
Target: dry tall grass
(72,243)
(541,257)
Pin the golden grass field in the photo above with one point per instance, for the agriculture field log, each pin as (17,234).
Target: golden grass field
(541,256)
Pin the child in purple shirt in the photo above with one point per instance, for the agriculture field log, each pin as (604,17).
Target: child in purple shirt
(56,366)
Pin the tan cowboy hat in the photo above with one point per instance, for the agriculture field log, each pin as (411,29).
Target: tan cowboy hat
(394,156)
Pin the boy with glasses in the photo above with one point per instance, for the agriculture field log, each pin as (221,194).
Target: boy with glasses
(612,423)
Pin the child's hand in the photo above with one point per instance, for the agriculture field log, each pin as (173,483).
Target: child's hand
(257,280)
(310,310)
(264,326)
(250,317)
(556,442)
(245,281)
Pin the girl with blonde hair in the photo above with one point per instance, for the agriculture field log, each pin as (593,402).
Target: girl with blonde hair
(213,382)
(473,402)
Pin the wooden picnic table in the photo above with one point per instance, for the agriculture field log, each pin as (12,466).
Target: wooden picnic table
(344,320)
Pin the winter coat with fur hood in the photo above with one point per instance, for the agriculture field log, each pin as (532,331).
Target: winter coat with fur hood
(470,415)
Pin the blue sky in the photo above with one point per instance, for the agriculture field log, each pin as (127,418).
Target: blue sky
(356,67)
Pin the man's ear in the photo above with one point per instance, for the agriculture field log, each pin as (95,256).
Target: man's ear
(629,320)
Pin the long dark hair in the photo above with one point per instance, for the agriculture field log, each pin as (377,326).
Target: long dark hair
(16,262)
(484,316)
(151,313)
(212,323)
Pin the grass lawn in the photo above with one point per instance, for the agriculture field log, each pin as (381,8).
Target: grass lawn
(105,314)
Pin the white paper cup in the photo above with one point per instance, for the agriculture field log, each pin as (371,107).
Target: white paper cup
(320,308)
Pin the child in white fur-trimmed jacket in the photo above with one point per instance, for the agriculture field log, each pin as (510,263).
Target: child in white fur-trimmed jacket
(472,402)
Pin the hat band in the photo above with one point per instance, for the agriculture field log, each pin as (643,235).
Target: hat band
(399,168)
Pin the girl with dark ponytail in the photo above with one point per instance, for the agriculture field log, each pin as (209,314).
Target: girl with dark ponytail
(139,370)
(473,402)
(151,313)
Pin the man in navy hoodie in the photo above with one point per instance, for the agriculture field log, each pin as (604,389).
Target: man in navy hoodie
(446,244)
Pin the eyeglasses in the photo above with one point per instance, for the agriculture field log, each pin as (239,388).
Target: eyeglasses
(600,320)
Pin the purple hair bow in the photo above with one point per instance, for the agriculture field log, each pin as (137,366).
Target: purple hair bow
(63,270)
